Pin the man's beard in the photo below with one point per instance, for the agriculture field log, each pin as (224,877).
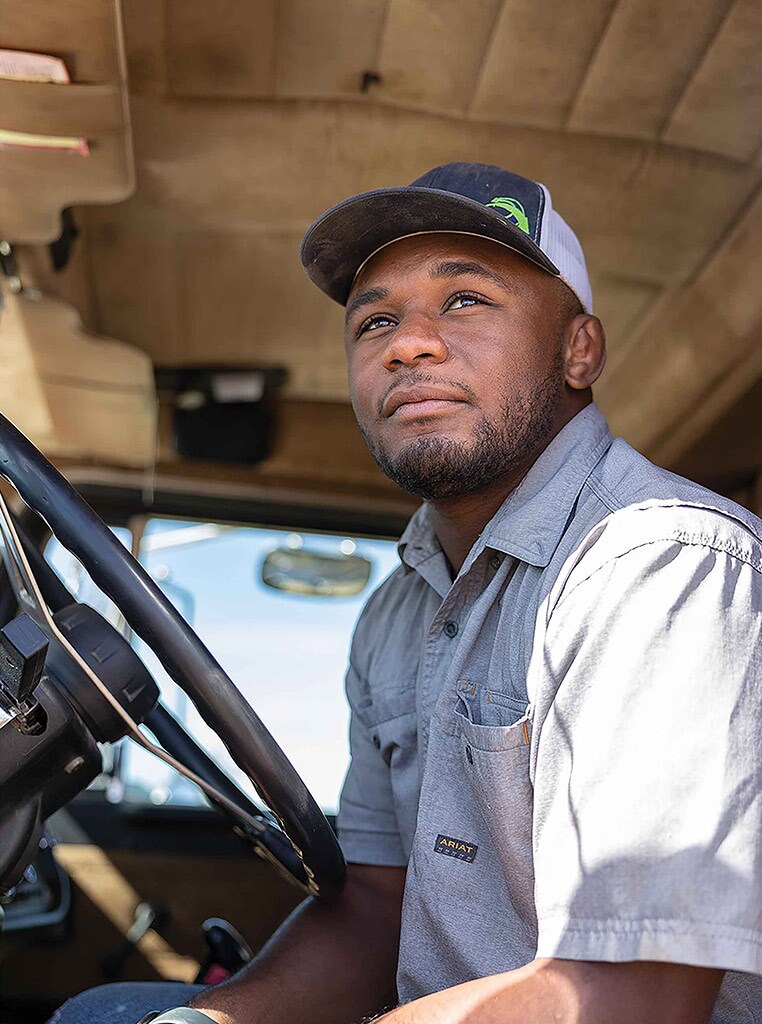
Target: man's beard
(439,468)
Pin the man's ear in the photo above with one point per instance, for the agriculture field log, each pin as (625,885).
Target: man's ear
(585,351)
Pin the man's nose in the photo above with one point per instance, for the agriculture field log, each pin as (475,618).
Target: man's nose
(417,339)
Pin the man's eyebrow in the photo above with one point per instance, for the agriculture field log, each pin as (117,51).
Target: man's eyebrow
(456,268)
(364,299)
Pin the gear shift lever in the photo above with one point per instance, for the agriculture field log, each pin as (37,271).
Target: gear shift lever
(227,952)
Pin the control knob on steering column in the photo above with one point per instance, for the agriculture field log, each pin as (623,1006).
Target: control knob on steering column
(23,648)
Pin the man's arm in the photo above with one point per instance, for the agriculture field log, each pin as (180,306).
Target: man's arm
(573,992)
(327,964)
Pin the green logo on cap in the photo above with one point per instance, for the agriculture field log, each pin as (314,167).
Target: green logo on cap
(513,210)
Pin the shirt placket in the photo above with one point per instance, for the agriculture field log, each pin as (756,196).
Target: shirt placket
(439,648)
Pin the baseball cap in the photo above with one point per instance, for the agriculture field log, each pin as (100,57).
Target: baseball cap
(472,199)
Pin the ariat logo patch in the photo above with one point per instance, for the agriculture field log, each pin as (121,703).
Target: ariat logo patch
(457,848)
(513,210)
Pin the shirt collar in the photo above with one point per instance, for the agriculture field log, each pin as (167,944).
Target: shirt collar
(420,549)
(530,522)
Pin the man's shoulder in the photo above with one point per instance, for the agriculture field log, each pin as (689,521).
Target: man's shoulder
(624,478)
(385,600)
(656,523)
(391,628)
(641,506)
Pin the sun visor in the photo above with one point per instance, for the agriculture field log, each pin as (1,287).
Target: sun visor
(65,136)
(72,393)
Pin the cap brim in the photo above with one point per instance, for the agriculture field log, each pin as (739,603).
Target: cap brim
(345,237)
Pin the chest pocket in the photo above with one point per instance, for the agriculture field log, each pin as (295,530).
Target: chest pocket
(386,702)
(486,707)
(495,733)
(467,916)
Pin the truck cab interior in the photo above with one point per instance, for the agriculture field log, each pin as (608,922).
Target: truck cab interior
(166,361)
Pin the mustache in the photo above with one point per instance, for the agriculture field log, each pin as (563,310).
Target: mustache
(424,379)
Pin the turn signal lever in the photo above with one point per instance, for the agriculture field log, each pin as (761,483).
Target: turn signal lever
(23,649)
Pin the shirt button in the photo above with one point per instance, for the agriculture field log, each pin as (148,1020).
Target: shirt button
(495,561)
(376,742)
(451,628)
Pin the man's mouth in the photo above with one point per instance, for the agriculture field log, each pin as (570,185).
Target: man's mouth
(420,400)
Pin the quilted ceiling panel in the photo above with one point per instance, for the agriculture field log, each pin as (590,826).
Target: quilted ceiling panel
(251,117)
(537,60)
(720,109)
(642,64)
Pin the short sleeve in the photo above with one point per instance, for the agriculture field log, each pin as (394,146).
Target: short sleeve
(367,822)
(648,770)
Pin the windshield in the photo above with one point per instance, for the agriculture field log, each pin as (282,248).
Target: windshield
(286,651)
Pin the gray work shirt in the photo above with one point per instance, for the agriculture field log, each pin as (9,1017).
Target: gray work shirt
(563,744)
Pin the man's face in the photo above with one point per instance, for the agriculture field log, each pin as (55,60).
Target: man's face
(455,359)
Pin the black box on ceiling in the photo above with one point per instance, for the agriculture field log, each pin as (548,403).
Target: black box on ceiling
(222,413)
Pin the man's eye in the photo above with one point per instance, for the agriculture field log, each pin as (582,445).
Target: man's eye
(463,300)
(374,322)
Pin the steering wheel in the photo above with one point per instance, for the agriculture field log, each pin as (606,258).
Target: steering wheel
(187,661)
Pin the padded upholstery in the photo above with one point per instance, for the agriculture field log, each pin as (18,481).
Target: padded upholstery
(249,118)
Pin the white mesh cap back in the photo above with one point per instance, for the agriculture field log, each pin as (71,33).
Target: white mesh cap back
(558,241)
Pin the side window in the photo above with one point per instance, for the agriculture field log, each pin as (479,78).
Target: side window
(284,642)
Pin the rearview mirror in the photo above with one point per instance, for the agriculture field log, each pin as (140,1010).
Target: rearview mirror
(311,572)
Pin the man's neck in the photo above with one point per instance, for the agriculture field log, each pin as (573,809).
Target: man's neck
(459,521)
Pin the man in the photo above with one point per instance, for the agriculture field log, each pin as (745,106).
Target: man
(556,755)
